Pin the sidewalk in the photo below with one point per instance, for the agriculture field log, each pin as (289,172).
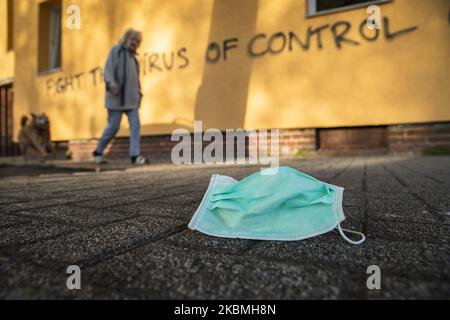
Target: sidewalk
(127,230)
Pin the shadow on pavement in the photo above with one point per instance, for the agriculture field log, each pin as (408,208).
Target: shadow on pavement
(9,170)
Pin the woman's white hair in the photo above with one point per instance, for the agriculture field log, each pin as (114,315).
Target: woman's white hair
(127,35)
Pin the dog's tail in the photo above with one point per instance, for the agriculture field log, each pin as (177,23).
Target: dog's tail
(24,121)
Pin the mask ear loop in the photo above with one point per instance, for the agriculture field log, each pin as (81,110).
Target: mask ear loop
(341,231)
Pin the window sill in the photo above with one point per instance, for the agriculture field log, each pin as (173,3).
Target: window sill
(49,72)
(6,81)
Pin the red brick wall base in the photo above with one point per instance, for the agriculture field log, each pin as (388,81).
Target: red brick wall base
(159,148)
(401,139)
(418,138)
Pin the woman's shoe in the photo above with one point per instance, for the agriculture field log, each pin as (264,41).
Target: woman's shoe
(139,161)
(98,158)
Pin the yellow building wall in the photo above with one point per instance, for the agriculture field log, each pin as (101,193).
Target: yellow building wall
(6,56)
(387,81)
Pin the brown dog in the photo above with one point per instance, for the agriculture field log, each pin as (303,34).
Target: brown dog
(37,136)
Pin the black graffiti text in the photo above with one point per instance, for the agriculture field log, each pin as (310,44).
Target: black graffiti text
(166,61)
(216,52)
(262,44)
(64,84)
(97,76)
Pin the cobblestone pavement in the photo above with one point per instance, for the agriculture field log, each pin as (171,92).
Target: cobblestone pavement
(127,230)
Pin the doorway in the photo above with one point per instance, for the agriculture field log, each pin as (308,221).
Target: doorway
(7,146)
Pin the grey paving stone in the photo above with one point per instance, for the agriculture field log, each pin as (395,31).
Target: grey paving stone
(353,198)
(352,184)
(10,221)
(80,216)
(41,203)
(416,177)
(394,230)
(21,280)
(394,287)
(166,272)
(438,199)
(354,217)
(179,212)
(404,208)
(395,258)
(32,195)
(198,241)
(5,200)
(19,235)
(111,202)
(379,180)
(128,232)
(98,243)
(186,198)
(140,195)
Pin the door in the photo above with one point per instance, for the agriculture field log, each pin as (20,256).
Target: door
(7,147)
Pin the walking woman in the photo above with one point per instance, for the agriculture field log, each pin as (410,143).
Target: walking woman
(123,95)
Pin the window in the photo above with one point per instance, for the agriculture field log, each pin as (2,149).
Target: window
(50,28)
(10,26)
(321,7)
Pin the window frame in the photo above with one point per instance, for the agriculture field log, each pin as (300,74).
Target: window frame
(55,30)
(312,12)
(44,33)
(10,25)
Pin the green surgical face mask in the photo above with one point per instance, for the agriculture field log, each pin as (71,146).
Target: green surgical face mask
(275,204)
